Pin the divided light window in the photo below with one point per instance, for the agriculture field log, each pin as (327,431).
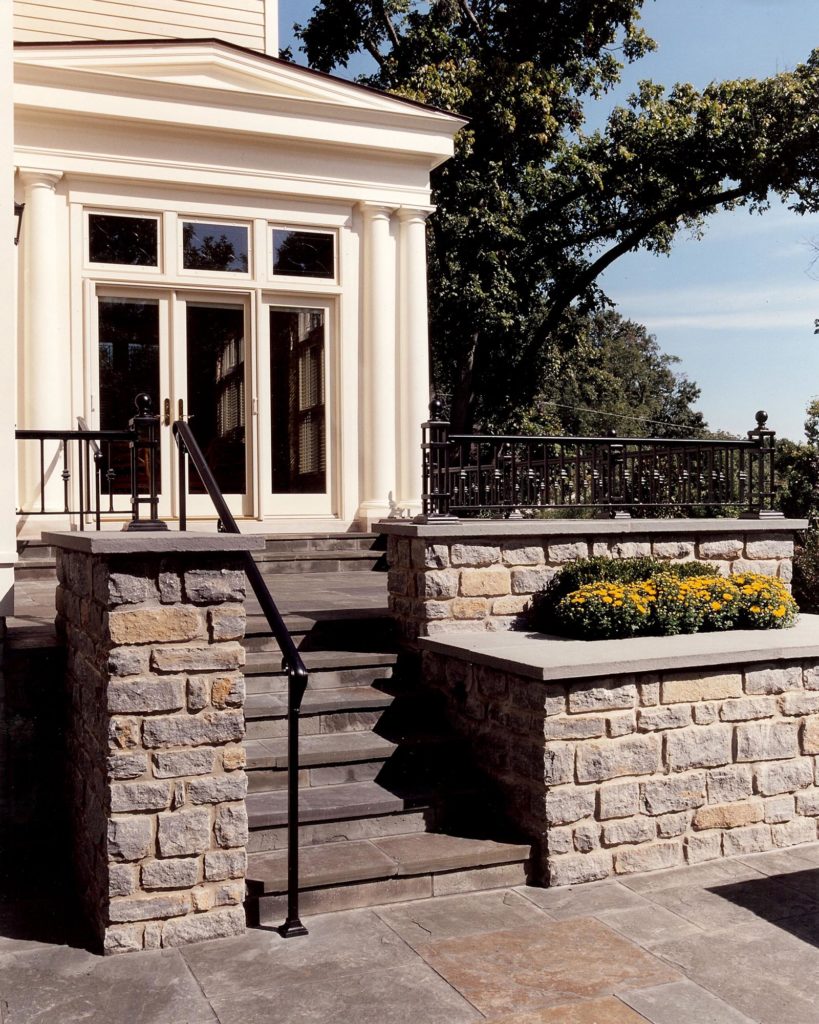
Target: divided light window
(132,241)
(303,254)
(221,247)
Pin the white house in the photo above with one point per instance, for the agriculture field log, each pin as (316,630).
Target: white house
(238,236)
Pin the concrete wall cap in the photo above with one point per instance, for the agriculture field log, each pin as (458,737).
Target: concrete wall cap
(152,543)
(541,657)
(503,529)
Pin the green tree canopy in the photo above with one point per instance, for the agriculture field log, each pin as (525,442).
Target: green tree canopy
(532,209)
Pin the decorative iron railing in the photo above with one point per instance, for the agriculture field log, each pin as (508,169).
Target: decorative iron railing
(474,475)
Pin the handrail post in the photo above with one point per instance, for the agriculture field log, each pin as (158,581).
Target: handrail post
(765,439)
(145,428)
(435,460)
(296,685)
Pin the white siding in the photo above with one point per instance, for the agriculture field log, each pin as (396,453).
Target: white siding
(234,21)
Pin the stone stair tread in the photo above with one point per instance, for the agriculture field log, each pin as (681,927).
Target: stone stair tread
(353,698)
(269,662)
(395,856)
(317,555)
(331,748)
(333,803)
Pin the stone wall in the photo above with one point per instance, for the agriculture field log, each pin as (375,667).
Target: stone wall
(616,775)
(481,576)
(155,755)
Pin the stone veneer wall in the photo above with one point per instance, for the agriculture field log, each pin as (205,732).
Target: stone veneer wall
(631,773)
(474,577)
(155,755)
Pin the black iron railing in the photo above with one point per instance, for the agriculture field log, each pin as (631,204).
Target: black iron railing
(292,663)
(468,475)
(94,467)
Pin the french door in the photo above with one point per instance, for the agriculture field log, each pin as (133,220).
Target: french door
(188,351)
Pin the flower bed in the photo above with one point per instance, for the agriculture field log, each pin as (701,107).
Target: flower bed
(604,599)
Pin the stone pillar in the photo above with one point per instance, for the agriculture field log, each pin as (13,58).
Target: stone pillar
(153,625)
(45,357)
(378,366)
(413,360)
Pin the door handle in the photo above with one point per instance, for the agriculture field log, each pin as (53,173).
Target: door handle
(166,408)
(181,409)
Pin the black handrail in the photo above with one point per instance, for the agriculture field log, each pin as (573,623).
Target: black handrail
(99,460)
(291,659)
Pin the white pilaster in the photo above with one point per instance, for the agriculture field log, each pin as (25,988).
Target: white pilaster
(378,366)
(45,357)
(413,354)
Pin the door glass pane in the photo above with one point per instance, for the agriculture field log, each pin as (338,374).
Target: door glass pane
(216,392)
(128,364)
(303,254)
(214,247)
(128,240)
(297,401)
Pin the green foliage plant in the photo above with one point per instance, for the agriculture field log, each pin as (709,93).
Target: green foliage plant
(603,599)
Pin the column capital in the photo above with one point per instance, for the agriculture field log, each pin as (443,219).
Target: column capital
(408,214)
(37,176)
(372,210)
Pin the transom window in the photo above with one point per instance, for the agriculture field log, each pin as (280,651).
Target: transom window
(220,247)
(303,254)
(133,241)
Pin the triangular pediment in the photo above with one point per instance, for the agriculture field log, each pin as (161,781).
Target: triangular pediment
(214,66)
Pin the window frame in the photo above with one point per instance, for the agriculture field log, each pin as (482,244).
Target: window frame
(132,268)
(302,279)
(215,275)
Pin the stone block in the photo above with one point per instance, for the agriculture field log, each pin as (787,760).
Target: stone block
(745,812)
(779,809)
(231,826)
(122,588)
(648,689)
(567,804)
(222,864)
(184,833)
(139,796)
(731,783)
(176,873)
(685,687)
(699,746)
(438,584)
(470,608)
(149,908)
(720,547)
(215,924)
(129,839)
(747,709)
(629,755)
(227,622)
(773,679)
(751,839)
(674,716)
(706,712)
(169,624)
(530,581)
(670,825)
(618,799)
(791,833)
(123,733)
(170,587)
(428,556)
(216,789)
(773,546)
(558,764)
(576,868)
(602,694)
(510,605)
(127,766)
(474,555)
(568,551)
(122,939)
(674,793)
(224,657)
(810,735)
(183,762)
(198,693)
(630,548)
(485,582)
(517,553)
(808,802)
(621,724)
(629,830)
(587,837)
(681,550)
(767,741)
(234,758)
(810,675)
(702,847)
(194,730)
(122,879)
(799,703)
(786,777)
(785,571)
(560,840)
(213,586)
(228,692)
(127,661)
(145,695)
(648,857)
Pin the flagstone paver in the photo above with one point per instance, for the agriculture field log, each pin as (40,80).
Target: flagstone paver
(596,1011)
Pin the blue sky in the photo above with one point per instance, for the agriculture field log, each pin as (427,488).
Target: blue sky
(738,305)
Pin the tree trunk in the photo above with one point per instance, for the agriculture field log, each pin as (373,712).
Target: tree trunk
(462,414)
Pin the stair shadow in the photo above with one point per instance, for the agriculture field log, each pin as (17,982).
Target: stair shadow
(790,901)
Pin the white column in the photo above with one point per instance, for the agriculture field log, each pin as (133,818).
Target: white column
(378,368)
(45,358)
(413,354)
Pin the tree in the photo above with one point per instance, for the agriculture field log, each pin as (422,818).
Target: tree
(532,210)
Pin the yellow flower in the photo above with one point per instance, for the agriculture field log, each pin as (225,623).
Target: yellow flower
(716,605)
(780,611)
(755,609)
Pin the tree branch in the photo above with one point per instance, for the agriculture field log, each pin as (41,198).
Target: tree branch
(469,14)
(387,22)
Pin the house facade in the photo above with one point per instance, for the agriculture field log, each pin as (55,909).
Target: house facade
(241,238)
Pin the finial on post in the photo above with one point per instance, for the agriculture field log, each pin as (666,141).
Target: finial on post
(143,403)
(761,419)
(436,409)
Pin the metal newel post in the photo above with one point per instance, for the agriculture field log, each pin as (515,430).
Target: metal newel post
(145,428)
(760,506)
(435,447)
